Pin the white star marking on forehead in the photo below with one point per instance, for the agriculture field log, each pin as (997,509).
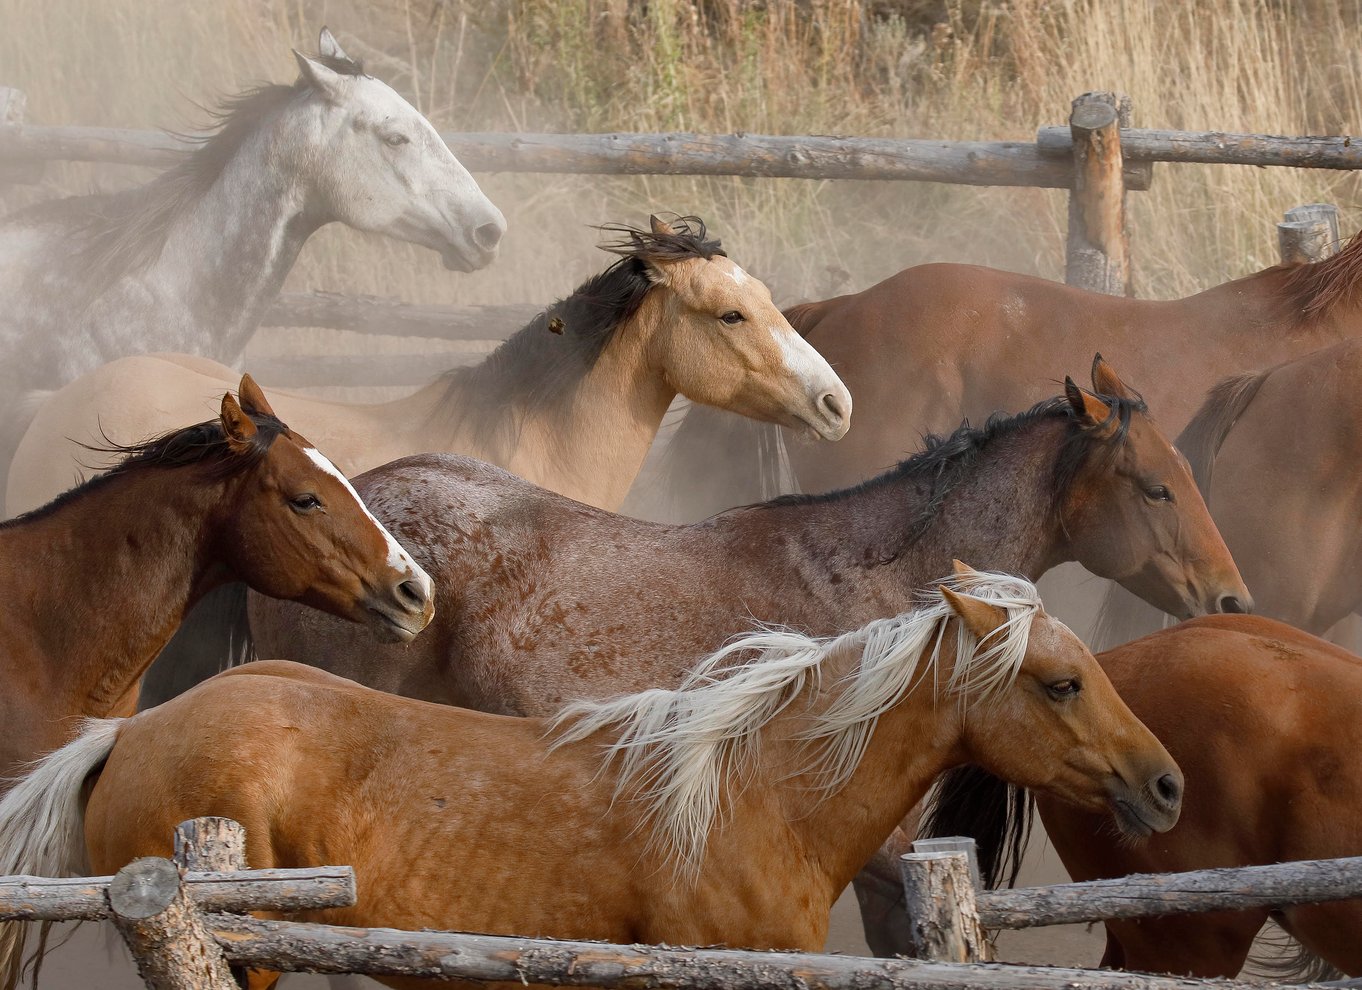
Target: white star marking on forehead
(737,275)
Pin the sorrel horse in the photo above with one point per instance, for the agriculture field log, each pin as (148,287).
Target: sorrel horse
(1275,454)
(973,340)
(719,812)
(571,402)
(96,582)
(1266,722)
(534,588)
(190,261)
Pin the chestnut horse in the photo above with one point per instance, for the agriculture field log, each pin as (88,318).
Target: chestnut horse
(1266,721)
(937,343)
(95,582)
(1275,454)
(732,810)
(571,402)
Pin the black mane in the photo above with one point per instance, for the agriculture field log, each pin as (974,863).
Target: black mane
(540,366)
(204,443)
(948,461)
(125,231)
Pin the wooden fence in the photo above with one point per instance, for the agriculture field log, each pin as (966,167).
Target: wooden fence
(1098,157)
(186,924)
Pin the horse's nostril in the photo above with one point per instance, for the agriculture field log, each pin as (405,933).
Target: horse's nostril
(834,407)
(1169,789)
(411,594)
(488,236)
(1231,604)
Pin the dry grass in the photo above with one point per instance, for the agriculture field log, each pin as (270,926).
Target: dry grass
(909,68)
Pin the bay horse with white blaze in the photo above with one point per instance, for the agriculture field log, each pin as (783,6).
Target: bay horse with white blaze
(732,810)
(95,583)
(191,261)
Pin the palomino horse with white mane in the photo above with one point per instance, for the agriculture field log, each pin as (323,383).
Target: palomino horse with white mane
(93,585)
(190,261)
(717,813)
(571,402)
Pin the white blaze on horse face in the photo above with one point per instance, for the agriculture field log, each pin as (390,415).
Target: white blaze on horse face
(389,172)
(398,558)
(831,398)
(737,275)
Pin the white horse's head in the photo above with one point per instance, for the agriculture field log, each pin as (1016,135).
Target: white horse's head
(380,166)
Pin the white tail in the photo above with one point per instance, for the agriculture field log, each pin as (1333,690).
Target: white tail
(42,823)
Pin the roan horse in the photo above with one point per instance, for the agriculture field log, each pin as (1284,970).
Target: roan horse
(1266,722)
(732,810)
(95,583)
(190,261)
(572,402)
(1275,454)
(973,340)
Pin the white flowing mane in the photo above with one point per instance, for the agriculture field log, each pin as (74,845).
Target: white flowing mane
(679,750)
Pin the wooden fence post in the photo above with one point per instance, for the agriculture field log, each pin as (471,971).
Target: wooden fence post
(1098,256)
(165,932)
(1308,234)
(942,917)
(210,845)
(955,843)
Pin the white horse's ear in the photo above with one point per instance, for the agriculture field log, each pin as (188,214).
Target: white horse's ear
(329,46)
(327,82)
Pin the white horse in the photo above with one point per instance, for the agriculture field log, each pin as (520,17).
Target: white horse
(190,261)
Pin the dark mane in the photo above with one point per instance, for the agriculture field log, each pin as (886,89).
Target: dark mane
(945,462)
(541,365)
(1316,288)
(204,443)
(125,231)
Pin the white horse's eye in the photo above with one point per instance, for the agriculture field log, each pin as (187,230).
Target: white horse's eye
(396,140)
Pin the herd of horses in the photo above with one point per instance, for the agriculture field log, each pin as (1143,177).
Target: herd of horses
(513,709)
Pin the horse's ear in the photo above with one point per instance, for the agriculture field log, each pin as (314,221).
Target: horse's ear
(1105,381)
(959,568)
(253,397)
(236,425)
(326,82)
(981,618)
(1091,410)
(329,46)
(660,227)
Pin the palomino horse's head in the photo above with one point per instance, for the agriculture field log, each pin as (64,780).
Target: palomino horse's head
(1059,727)
(294,528)
(1133,513)
(721,341)
(380,166)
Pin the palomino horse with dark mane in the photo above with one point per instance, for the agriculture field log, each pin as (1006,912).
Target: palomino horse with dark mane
(732,810)
(571,402)
(938,343)
(191,261)
(1276,456)
(1266,722)
(95,583)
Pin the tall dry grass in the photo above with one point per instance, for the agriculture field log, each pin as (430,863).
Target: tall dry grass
(946,69)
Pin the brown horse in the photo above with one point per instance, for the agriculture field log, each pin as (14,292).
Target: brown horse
(732,810)
(96,582)
(1275,454)
(1266,722)
(571,402)
(937,343)
(544,600)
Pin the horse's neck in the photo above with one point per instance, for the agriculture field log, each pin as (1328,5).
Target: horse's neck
(861,551)
(590,447)
(226,256)
(98,587)
(838,832)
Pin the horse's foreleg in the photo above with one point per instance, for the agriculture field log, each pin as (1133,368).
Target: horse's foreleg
(879,893)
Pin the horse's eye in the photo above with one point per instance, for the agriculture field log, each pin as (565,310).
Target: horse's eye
(305,503)
(732,317)
(1158,493)
(396,140)
(1062,690)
